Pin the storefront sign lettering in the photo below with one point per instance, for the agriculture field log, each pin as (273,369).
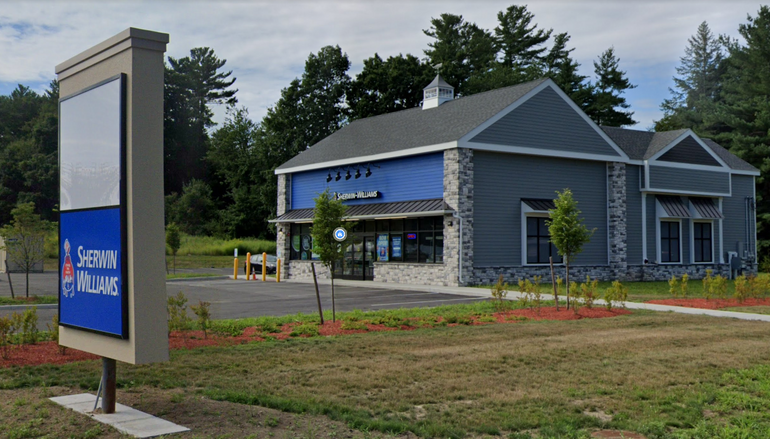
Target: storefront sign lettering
(360,195)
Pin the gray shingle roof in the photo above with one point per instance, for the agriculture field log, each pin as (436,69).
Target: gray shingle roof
(411,128)
(641,145)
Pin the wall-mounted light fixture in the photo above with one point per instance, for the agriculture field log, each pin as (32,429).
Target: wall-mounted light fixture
(348,174)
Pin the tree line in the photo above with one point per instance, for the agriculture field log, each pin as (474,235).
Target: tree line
(219,180)
(722,92)
(224,184)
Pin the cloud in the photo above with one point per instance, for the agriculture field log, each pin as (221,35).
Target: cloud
(267,43)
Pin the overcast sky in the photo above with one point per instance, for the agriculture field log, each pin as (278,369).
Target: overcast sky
(267,43)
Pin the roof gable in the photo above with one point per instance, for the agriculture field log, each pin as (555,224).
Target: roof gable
(688,150)
(546,121)
(406,132)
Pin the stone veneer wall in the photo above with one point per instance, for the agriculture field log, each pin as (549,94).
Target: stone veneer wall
(409,273)
(282,240)
(303,270)
(458,195)
(650,272)
(617,213)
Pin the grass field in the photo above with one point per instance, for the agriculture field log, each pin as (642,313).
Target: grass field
(663,375)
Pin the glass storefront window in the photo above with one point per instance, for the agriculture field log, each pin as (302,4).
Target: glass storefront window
(415,240)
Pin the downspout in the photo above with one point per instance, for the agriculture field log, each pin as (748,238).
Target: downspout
(460,249)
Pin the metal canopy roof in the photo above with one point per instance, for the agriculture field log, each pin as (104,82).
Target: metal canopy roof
(674,206)
(706,208)
(541,205)
(432,207)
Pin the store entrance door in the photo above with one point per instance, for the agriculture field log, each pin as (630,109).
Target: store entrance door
(358,262)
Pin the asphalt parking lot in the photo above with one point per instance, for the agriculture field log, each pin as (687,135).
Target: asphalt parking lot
(237,299)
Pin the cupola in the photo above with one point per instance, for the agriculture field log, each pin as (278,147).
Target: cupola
(436,93)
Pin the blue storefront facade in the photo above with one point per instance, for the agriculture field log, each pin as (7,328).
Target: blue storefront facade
(457,192)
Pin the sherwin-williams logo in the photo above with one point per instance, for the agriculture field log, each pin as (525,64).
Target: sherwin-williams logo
(67,273)
(360,195)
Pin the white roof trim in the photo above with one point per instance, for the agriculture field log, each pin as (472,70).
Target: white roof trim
(653,191)
(678,165)
(540,152)
(742,172)
(370,158)
(548,83)
(676,141)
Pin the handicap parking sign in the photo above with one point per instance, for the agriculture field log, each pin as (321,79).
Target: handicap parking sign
(340,234)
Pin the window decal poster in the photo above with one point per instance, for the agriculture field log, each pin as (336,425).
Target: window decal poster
(92,291)
(396,247)
(382,247)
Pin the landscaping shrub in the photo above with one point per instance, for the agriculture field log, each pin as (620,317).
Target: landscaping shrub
(617,292)
(29,332)
(758,286)
(178,319)
(353,326)
(535,292)
(524,287)
(589,291)
(708,285)
(5,336)
(53,333)
(683,284)
(308,329)
(575,292)
(741,288)
(673,284)
(204,316)
(499,292)
(720,286)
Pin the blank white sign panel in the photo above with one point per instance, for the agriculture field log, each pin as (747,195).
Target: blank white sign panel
(90,139)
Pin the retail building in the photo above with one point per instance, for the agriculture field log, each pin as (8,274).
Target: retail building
(457,192)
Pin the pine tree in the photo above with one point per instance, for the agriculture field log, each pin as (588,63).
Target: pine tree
(607,103)
(464,50)
(192,84)
(696,90)
(746,110)
(521,43)
(563,70)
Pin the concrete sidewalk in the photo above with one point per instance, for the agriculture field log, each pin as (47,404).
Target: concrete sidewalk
(514,295)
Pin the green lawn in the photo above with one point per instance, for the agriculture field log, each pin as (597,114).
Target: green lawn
(34,300)
(660,374)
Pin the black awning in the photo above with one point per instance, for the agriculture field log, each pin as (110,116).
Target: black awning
(674,206)
(706,208)
(432,207)
(538,204)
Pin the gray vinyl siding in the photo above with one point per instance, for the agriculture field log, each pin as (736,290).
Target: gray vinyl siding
(633,216)
(734,211)
(689,180)
(502,180)
(652,245)
(546,121)
(689,151)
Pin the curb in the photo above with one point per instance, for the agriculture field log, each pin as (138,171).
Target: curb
(184,279)
(23,307)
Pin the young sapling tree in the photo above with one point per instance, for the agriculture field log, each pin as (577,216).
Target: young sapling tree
(327,217)
(568,233)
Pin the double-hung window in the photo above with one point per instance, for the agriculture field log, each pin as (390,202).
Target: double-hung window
(702,242)
(670,241)
(539,245)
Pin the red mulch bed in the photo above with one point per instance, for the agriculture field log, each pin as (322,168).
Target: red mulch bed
(711,303)
(48,352)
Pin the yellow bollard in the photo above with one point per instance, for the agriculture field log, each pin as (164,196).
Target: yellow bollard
(248,265)
(235,269)
(278,270)
(264,267)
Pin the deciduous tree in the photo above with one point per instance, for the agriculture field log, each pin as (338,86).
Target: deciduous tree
(568,233)
(25,238)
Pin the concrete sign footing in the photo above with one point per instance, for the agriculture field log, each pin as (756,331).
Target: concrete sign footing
(125,419)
